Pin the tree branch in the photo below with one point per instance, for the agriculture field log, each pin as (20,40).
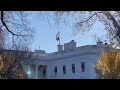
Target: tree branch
(4,24)
(115,23)
(91,17)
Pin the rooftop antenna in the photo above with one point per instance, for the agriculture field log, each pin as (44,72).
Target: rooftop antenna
(39,47)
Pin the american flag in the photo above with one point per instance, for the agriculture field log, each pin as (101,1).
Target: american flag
(57,36)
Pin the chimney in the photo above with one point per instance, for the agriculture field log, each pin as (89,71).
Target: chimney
(60,48)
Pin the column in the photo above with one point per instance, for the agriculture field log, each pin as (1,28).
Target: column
(36,71)
(50,72)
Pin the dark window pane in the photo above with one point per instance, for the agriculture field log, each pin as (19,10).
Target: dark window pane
(44,72)
(64,69)
(73,68)
(83,66)
(55,70)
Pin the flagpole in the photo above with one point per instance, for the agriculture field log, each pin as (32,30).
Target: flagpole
(59,35)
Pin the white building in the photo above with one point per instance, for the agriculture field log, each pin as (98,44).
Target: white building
(70,62)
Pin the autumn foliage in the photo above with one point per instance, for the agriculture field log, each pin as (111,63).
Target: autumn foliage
(8,69)
(108,65)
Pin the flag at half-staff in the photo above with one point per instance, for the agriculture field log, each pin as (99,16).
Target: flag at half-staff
(58,36)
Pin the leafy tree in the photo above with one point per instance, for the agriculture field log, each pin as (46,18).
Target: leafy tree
(14,28)
(108,65)
(11,62)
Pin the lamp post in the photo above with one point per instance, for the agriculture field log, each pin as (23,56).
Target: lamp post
(29,73)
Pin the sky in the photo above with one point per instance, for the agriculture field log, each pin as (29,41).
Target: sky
(45,35)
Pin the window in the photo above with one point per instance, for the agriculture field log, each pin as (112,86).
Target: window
(55,70)
(64,69)
(73,68)
(44,72)
(83,66)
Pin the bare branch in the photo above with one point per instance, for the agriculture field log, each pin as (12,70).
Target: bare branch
(4,24)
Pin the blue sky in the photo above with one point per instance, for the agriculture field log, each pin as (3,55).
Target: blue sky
(45,35)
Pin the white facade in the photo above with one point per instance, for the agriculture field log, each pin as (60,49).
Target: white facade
(69,63)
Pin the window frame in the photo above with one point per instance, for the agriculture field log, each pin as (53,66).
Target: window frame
(83,66)
(55,70)
(64,69)
(73,68)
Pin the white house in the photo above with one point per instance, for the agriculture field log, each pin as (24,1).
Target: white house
(70,62)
